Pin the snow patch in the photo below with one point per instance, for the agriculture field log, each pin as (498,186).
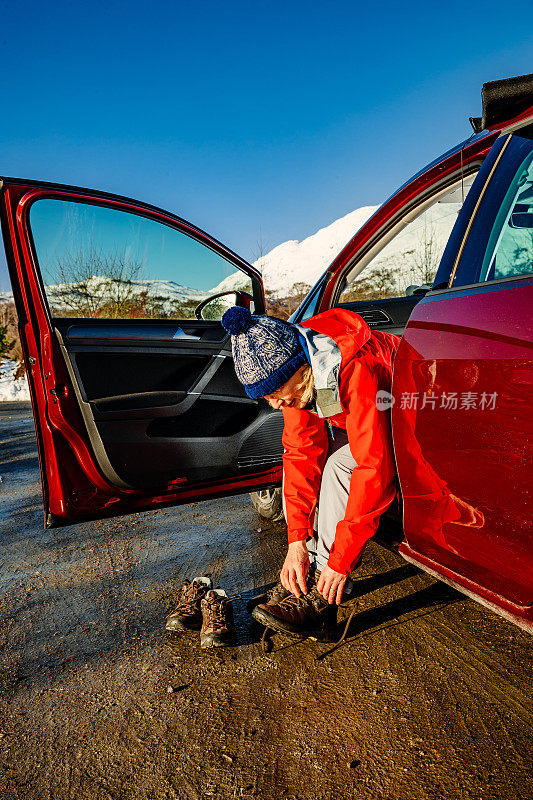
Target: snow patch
(11,389)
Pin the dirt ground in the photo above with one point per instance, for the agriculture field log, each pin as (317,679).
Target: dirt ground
(430,697)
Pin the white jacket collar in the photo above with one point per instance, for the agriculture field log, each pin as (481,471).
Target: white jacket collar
(325,359)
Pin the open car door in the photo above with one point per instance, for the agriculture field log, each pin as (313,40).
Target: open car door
(135,398)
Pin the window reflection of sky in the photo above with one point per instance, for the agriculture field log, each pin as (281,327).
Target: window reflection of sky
(513,254)
(63,230)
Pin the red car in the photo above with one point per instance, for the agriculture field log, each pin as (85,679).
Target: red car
(137,405)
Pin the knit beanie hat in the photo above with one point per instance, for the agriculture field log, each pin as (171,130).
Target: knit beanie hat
(266,351)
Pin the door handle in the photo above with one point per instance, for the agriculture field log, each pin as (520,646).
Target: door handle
(181,335)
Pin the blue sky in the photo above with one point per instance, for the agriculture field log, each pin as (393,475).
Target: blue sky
(252,120)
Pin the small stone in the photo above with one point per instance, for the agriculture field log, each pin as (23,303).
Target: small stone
(227,758)
(170,689)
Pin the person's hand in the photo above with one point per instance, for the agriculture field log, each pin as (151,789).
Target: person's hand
(331,585)
(295,568)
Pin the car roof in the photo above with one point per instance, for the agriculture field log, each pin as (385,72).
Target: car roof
(476,137)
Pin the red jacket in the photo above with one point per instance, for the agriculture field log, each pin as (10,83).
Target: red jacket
(366,367)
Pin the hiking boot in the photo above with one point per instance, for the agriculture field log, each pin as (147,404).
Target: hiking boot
(277,594)
(274,596)
(306,616)
(217,626)
(188,615)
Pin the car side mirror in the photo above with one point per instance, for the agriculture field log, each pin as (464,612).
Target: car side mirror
(414,289)
(213,308)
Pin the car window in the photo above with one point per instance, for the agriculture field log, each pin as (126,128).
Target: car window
(309,306)
(510,246)
(410,259)
(500,243)
(97,261)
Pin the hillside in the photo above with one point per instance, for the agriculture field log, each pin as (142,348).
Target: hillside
(295,262)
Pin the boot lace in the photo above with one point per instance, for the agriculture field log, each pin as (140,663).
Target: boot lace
(277,589)
(190,594)
(215,613)
(312,598)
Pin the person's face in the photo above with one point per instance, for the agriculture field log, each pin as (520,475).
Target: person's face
(289,396)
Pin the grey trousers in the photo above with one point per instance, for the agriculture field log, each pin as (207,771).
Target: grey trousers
(332,499)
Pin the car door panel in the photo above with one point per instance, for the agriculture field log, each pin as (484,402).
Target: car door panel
(161,410)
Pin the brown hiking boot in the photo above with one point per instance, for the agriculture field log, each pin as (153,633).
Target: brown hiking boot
(274,595)
(217,626)
(277,594)
(306,616)
(188,615)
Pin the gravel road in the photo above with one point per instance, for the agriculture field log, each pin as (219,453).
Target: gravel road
(430,697)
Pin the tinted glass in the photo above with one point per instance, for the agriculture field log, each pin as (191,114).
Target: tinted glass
(412,256)
(500,244)
(97,261)
(510,246)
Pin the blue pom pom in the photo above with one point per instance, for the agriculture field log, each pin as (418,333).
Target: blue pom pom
(237,320)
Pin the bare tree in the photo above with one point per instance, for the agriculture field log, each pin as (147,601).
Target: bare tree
(258,252)
(390,273)
(282,306)
(277,306)
(425,257)
(92,283)
(298,291)
(520,260)
(378,283)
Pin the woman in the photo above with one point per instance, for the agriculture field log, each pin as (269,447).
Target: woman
(339,474)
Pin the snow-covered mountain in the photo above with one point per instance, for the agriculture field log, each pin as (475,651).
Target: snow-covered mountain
(99,289)
(302,262)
